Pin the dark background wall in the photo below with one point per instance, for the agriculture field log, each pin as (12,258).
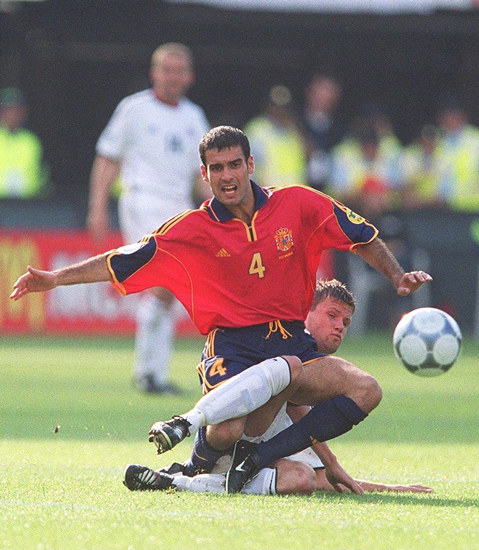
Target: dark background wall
(77,59)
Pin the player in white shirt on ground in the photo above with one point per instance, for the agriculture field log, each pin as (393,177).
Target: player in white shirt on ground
(151,144)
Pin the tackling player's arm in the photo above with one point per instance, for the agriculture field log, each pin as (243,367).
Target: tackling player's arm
(104,172)
(378,255)
(92,270)
(335,478)
(336,475)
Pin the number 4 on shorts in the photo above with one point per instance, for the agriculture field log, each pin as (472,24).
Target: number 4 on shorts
(217,368)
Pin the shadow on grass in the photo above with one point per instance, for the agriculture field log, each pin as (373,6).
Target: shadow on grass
(400,498)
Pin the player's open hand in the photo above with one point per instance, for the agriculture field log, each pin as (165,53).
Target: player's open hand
(341,481)
(34,280)
(411,281)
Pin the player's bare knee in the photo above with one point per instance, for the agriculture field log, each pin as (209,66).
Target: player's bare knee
(305,480)
(296,478)
(222,436)
(376,393)
(368,393)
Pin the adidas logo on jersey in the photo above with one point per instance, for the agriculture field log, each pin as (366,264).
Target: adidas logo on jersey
(223,254)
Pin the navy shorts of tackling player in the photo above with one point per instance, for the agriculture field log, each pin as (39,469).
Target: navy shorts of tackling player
(229,351)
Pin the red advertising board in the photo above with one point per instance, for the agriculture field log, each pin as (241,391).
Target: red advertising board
(80,309)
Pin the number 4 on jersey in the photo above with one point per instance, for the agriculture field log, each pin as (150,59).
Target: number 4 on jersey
(256,266)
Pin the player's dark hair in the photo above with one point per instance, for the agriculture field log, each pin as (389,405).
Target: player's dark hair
(224,137)
(333,289)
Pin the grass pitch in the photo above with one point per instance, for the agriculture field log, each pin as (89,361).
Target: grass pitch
(71,420)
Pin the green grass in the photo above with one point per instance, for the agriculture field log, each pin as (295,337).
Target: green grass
(63,490)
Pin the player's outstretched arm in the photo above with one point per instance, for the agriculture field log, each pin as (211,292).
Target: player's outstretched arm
(378,255)
(35,280)
(372,487)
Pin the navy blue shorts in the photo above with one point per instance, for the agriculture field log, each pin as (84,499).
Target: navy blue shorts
(229,351)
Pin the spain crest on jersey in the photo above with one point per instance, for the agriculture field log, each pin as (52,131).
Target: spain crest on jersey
(284,239)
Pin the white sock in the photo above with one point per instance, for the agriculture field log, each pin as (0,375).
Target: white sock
(262,484)
(154,339)
(241,394)
(202,483)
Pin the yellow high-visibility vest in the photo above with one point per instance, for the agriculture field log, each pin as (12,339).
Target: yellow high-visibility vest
(280,158)
(420,173)
(21,171)
(459,169)
(353,173)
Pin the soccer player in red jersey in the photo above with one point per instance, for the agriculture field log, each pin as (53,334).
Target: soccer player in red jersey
(244,266)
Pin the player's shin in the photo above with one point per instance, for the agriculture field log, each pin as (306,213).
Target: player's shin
(325,421)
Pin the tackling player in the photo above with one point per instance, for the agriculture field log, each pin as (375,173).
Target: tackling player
(244,266)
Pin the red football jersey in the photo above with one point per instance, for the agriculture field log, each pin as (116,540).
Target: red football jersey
(230,274)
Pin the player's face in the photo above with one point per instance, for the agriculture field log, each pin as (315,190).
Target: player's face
(171,77)
(328,324)
(227,171)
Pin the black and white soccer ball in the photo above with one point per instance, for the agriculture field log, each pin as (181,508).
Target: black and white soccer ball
(427,341)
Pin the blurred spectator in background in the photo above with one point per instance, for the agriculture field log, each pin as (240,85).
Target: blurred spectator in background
(458,153)
(277,143)
(151,142)
(365,171)
(378,116)
(323,128)
(420,171)
(366,176)
(22,171)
